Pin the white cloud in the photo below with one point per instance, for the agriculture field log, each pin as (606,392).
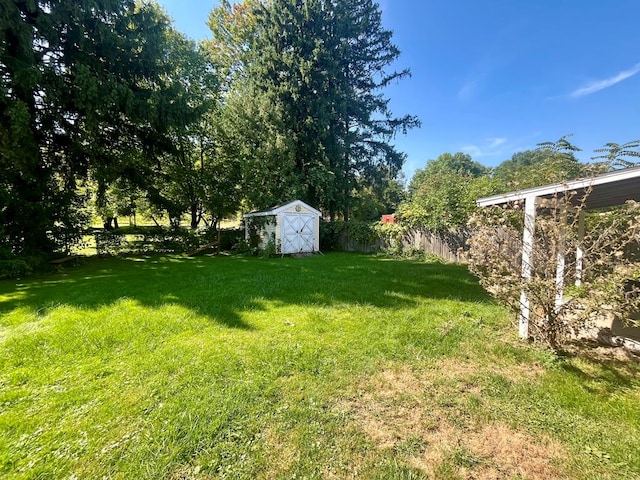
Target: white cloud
(468,90)
(474,150)
(490,146)
(596,86)
(500,148)
(496,142)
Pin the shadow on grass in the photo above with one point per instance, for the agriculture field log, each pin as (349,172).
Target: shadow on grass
(604,370)
(221,288)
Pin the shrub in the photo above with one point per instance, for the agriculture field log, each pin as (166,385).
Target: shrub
(140,240)
(14,268)
(230,237)
(330,235)
(392,235)
(609,263)
(337,235)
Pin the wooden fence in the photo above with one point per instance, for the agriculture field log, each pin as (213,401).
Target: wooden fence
(446,245)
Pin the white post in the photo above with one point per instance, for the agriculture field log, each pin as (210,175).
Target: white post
(560,260)
(527,262)
(580,249)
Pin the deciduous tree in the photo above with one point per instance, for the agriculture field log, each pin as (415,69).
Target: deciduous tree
(443,194)
(87,90)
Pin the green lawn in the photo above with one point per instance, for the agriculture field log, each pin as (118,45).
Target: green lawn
(335,366)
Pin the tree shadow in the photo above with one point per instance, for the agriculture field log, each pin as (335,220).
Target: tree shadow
(605,370)
(222,288)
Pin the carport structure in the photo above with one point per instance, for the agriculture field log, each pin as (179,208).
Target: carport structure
(607,190)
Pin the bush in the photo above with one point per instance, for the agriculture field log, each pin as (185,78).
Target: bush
(495,258)
(230,237)
(12,266)
(141,240)
(330,235)
(269,249)
(354,234)
(15,268)
(392,234)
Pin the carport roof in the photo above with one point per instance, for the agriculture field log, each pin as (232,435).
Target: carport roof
(607,190)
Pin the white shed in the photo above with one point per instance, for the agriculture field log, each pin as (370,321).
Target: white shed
(293,227)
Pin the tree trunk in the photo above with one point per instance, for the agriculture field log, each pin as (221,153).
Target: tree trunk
(219,237)
(195,220)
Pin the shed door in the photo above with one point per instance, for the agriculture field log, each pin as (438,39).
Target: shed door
(298,232)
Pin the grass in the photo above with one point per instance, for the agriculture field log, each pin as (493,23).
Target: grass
(336,366)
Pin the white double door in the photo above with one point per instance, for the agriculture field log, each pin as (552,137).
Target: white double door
(298,233)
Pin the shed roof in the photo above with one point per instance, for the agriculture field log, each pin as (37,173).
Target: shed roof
(607,190)
(280,208)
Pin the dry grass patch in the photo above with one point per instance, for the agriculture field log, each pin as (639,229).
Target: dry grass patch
(390,407)
(278,446)
(426,419)
(493,451)
(190,472)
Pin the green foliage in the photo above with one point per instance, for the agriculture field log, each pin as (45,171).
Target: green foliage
(194,176)
(618,156)
(142,240)
(269,250)
(443,194)
(552,162)
(334,234)
(14,268)
(460,164)
(392,235)
(230,237)
(292,142)
(369,203)
(89,91)
(361,232)
(233,27)
(330,235)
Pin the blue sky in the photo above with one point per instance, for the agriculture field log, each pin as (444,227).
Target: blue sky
(495,77)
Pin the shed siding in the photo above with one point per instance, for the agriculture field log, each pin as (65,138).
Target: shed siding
(278,230)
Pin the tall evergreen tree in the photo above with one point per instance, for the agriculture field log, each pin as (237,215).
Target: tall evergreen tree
(314,74)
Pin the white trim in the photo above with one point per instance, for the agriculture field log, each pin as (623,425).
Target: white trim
(560,258)
(281,208)
(527,262)
(580,249)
